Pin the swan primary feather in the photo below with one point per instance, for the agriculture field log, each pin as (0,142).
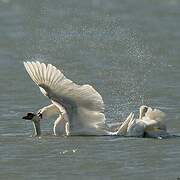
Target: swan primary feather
(83,104)
(81,107)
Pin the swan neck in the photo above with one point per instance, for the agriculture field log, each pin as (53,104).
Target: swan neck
(142,111)
(140,115)
(37,128)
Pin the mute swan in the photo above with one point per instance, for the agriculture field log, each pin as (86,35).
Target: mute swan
(141,127)
(81,107)
(151,123)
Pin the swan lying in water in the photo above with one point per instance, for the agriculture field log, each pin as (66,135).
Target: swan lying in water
(151,123)
(81,107)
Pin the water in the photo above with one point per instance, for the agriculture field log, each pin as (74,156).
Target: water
(128,50)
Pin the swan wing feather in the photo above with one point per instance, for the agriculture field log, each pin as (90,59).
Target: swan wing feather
(83,103)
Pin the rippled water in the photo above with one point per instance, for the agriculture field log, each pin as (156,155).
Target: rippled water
(128,50)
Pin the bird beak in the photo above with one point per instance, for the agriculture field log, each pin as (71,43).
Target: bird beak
(25,117)
(29,116)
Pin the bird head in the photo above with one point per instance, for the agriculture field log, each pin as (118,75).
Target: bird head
(30,116)
(36,122)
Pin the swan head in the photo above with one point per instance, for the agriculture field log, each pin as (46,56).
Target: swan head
(30,116)
(142,111)
(36,122)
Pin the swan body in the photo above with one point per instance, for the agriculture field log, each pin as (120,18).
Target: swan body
(82,104)
(151,123)
(80,108)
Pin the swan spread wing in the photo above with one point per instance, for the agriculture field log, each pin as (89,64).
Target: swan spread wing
(83,103)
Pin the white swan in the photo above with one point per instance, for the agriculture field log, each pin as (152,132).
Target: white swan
(151,123)
(80,108)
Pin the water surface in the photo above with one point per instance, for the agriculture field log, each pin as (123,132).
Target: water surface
(128,50)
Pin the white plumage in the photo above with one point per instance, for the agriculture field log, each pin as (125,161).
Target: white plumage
(81,107)
(83,104)
(150,123)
